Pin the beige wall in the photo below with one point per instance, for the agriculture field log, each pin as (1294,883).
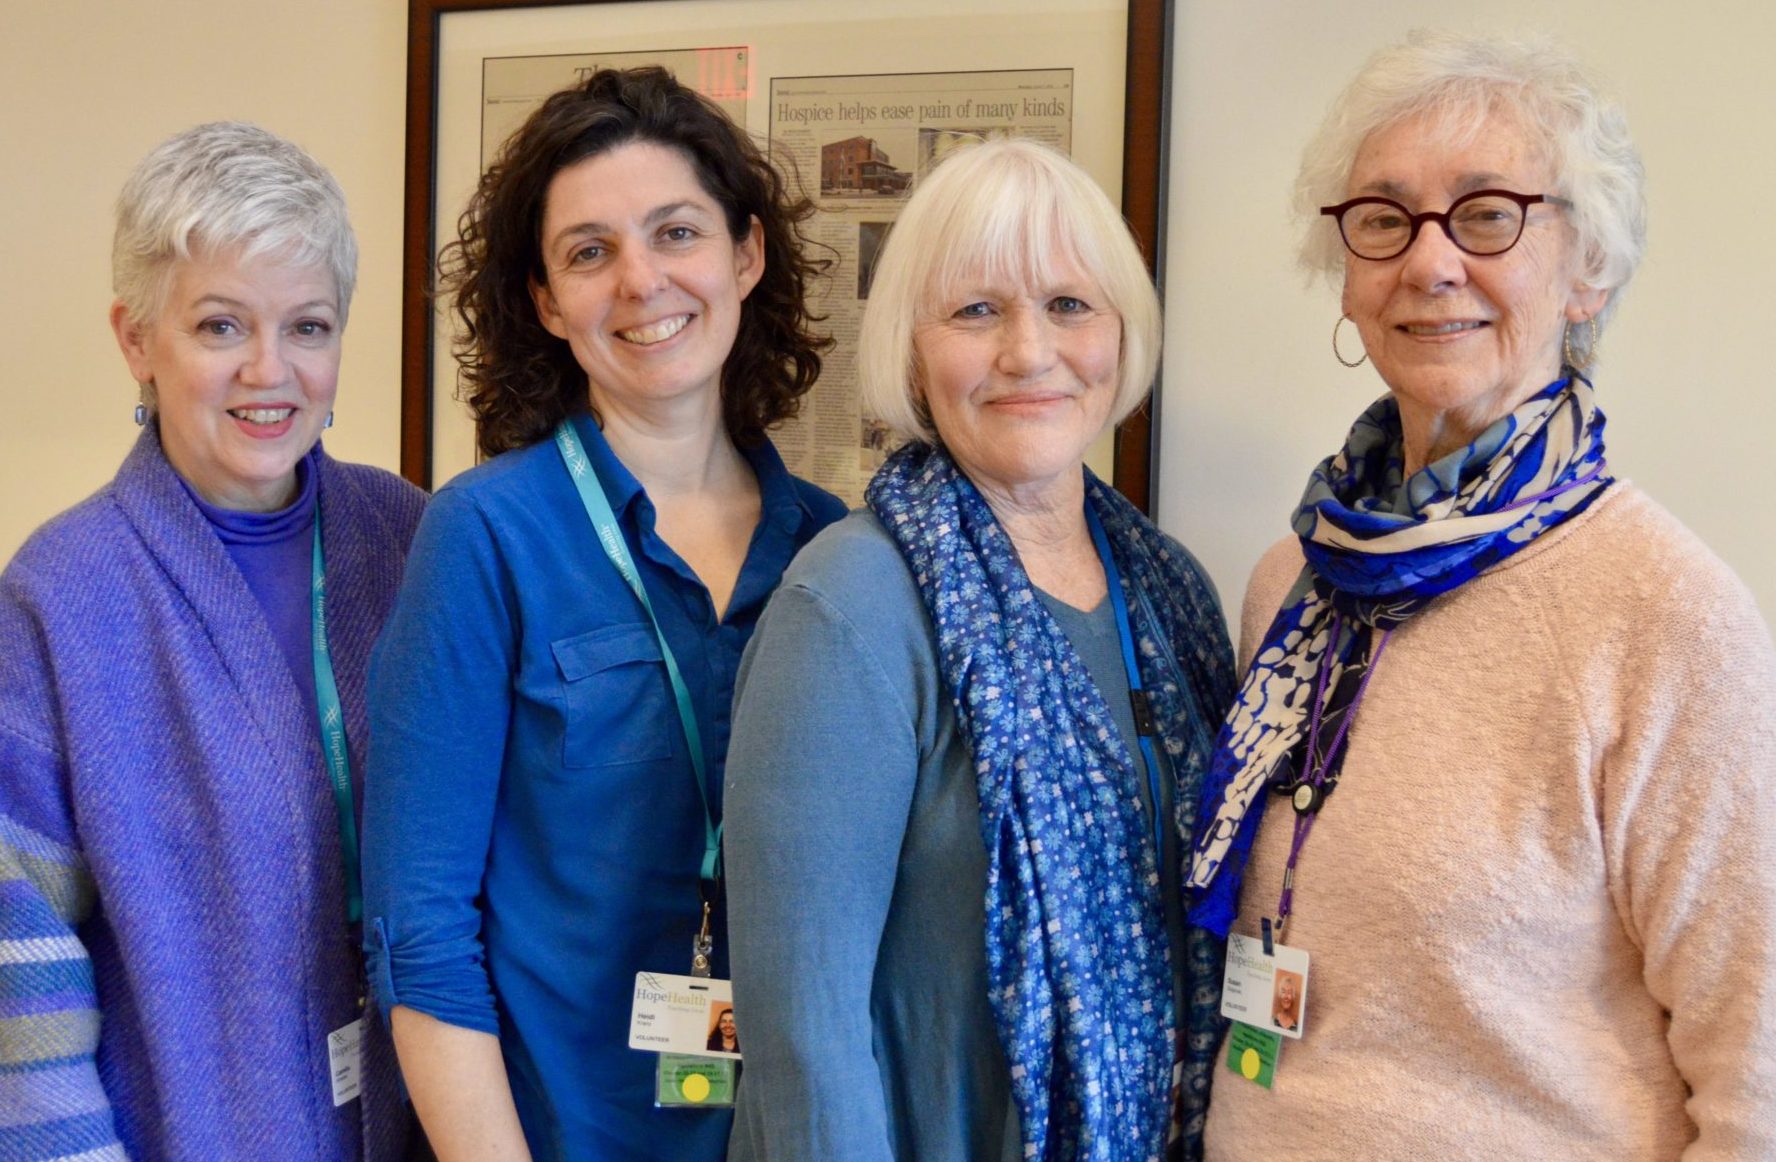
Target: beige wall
(89,86)
(1252,396)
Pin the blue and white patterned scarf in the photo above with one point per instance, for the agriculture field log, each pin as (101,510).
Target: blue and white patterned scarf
(1378,549)
(1078,964)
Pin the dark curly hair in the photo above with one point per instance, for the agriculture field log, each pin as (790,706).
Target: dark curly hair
(519,380)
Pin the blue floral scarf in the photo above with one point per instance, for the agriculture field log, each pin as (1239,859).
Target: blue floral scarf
(1078,963)
(1379,548)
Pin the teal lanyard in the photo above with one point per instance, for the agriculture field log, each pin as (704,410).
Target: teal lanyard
(333,730)
(604,523)
(1145,727)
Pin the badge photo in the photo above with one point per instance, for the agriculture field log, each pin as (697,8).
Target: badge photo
(1265,991)
(691,1015)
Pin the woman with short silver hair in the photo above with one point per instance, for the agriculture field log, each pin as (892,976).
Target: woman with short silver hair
(969,733)
(182,671)
(1509,726)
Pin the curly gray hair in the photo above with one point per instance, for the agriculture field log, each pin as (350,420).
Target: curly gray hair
(1459,82)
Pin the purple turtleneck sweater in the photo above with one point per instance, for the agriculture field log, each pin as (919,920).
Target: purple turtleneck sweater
(275,553)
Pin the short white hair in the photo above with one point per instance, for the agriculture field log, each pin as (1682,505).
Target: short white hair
(1008,208)
(222,186)
(1458,82)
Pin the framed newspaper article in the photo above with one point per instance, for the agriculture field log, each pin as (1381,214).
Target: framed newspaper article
(861,97)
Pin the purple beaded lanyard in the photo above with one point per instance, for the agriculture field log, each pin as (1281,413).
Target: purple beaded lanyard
(1309,793)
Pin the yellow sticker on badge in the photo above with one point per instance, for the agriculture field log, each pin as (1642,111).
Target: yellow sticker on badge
(694,1082)
(1252,1053)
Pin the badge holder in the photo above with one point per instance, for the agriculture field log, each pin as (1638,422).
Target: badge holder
(1264,994)
(691,1081)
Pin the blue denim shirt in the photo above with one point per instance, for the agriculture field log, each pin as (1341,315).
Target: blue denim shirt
(533,827)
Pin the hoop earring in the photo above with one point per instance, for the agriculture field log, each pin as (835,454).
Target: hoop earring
(1590,345)
(1342,319)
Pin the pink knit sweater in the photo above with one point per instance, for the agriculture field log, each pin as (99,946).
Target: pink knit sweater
(1541,905)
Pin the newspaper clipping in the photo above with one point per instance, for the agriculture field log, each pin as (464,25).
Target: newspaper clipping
(512,86)
(859,143)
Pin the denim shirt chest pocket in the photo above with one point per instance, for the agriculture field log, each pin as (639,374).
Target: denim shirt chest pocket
(616,701)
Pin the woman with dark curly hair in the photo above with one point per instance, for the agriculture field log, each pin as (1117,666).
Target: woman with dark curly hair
(550,701)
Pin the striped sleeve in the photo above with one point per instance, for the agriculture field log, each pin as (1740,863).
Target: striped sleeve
(51,1102)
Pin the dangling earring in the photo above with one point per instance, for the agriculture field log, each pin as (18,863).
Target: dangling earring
(329,422)
(1342,319)
(1590,344)
(141,414)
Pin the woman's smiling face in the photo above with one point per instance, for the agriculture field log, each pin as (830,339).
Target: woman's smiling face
(1020,378)
(644,282)
(244,359)
(1461,340)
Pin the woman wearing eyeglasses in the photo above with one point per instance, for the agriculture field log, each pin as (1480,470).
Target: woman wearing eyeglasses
(1503,765)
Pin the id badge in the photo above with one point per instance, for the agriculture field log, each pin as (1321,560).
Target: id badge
(1265,991)
(1265,995)
(345,1061)
(690,1022)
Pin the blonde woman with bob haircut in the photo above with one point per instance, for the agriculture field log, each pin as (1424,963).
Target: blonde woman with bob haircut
(1023,231)
(968,734)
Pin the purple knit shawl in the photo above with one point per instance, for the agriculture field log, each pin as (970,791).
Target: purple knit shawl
(174,753)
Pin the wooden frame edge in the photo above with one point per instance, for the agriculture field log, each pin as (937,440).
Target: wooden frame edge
(1145,118)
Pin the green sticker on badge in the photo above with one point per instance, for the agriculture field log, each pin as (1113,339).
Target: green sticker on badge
(1252,1053)
(685,1081)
